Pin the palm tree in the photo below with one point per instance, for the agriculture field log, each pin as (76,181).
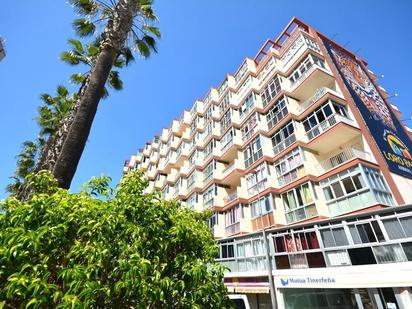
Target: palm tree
(128,25)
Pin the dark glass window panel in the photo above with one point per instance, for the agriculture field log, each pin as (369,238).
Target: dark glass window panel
(312,240)
(394,229)
(355,235)
(320,116)
(230,251)
(378,231)
(337,189)
(280,244)
(407,248)
(366,233)
(348,184)
(327,110)
(361,256)
(304,242)
(357,180)
(224,252)
(407,225)
(328,193)
(327,238)
(315,259)
(282,262)
(340,237)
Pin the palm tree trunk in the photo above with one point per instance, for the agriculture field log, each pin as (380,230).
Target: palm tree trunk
(68,150)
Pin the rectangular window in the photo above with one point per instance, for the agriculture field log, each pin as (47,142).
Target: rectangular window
(258,180)
(289,167)
(261,206)
(253,152)
(277,112)
(247,106)
(208,172)
(248,128)
(208,196)
(226,120)
(224,104)
(299,203)
(283,138)
(271,90)
(334,237)
(227,140)
(234,215)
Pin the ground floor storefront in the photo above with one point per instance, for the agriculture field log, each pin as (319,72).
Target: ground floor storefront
(383,286)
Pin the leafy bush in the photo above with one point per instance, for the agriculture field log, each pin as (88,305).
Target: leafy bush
(104,249)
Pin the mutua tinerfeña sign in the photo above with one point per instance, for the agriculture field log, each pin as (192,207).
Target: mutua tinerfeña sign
(293,281)
(385,128)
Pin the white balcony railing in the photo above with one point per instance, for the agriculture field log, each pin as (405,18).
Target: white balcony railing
(230,198)
(342,157)
(327,124)
(318,94)
(232,229)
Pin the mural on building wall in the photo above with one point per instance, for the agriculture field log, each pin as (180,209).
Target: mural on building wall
(386,129)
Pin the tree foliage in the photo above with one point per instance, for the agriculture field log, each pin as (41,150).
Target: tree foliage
(125,250)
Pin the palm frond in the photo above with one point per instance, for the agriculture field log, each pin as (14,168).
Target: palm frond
(84,27)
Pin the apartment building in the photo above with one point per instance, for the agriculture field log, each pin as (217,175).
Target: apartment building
(301,143)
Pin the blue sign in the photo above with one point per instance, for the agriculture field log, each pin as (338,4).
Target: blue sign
(385,128)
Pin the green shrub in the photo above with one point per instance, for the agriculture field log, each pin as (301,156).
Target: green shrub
(104,249)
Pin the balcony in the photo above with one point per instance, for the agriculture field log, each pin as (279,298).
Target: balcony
(342,157)
(230,198)
(232,229)
(318,94)
(321,139)
(314,78)
(284,144)
(301,213)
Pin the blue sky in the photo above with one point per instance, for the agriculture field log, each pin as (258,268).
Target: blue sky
(201,42)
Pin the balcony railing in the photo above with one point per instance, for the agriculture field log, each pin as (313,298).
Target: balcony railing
(258,187)
(318,94)
(226,146)
(297,82)
(230,198)
(284,144)
(342,157)
(294,48)
(232,229)
(326,125)
(228,170)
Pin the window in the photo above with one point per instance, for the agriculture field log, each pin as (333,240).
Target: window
(209,111)
(242,72)
(379,188)
(223,87)
(323,118)
(299,203)
(398,228)
(257,181)
(208,172)
(362,233)
(277,112)
(248,128)
(191,201)
(253,152)
(304,66)
(343,185)
(233,215)
(227,140)
(299,241)
(245,87)
(227,250)
(208,196)
(283,138)
(271,90)
(191,180)
(207,152)
(267,69)
(246,106)
(213,220)
(226,120)
(224,104)
(362,256)
(289,167)
(334,237)
(261,206)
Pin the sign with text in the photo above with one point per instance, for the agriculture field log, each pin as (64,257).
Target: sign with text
(385,128)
